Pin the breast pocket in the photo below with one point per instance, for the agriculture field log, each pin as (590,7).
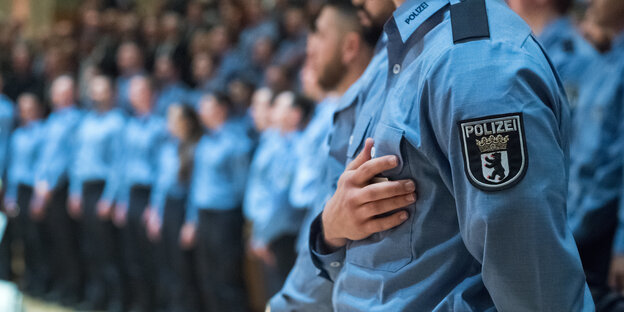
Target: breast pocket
(389,250)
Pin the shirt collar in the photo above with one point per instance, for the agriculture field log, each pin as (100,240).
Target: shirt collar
(413,13)
(618,42)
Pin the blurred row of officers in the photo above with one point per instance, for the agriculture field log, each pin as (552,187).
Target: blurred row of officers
(460,204)
(169,183)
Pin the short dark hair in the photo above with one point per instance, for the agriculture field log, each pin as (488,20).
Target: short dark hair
(306,105)
(563,6)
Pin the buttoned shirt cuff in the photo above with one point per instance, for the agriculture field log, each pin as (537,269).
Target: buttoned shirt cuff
(329,264)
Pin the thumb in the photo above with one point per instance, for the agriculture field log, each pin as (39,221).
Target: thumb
(364,156)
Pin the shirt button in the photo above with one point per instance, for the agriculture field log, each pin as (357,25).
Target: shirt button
(373,152)
(350,140)
(396,69)
(334,264)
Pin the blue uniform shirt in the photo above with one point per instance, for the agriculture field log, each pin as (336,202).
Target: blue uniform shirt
(58,149)
(168,183)
(596,149)
(7,120)
(256,191)
(123,92)
(477,238)
(272,214)
(308,181)
(143,137)
(170,94)
(569,52)
(304,290)
(222,160)
(25,146)
(98,148)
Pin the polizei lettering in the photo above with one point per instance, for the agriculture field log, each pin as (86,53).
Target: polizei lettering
(493,127)
(419,9)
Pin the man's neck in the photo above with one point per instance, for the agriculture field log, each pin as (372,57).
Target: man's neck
(354,72)
(539,18)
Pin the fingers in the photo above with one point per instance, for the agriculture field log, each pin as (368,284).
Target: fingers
(363,157)
(384,190)
(383,224)
(368,170)
(376,208)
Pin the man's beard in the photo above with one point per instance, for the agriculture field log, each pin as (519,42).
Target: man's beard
(332,73)
(371,33)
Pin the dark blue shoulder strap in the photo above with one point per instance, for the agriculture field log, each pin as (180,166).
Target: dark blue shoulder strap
(469,21)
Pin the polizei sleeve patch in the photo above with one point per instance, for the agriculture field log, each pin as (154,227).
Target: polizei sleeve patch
(494,150)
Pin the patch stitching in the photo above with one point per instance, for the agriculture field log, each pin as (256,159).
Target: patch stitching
(523,152)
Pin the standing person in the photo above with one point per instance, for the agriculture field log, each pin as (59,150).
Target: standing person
(171,89)
(214,218)
(275,222)
(488,230)
(597,166)
(569,51)
(130,63)
(135,176)
(338,53)
(24,148)
(168,205)
(98,149)
(49,202)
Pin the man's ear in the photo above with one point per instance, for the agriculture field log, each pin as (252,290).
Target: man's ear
(351,43)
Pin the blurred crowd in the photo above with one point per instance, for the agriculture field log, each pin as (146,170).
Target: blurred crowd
(147,154)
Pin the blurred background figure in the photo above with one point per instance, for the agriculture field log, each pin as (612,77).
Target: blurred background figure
(595,208)
(98,149)
(133,180)
(130,64)
(49,203)
(275,223)
(568,50)
(168,205)
(214,219)
(25,146)
(170,87)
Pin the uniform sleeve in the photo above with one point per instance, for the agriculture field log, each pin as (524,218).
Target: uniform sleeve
(157,197)
(517,232)
(115,177)
(6,127)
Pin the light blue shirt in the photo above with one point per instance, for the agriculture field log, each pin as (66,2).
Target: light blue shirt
(143,137)
(168,95)
(25,147)
(98,148)
(222,159)
(123,92)
(58,149)
(269,183)
(168,183)
(304,290)
(308,181)
(463,247)
(596,149)
(570,53)
(7,121)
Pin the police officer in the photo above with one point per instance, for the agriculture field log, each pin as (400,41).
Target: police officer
(338,53)
(275,221)
(569,51)
(168,205)
(473,113)
(98,149)
(596,166)
(24,148)
(130,63)
(171,89)
(51,189)
(214,218)
(135,175)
